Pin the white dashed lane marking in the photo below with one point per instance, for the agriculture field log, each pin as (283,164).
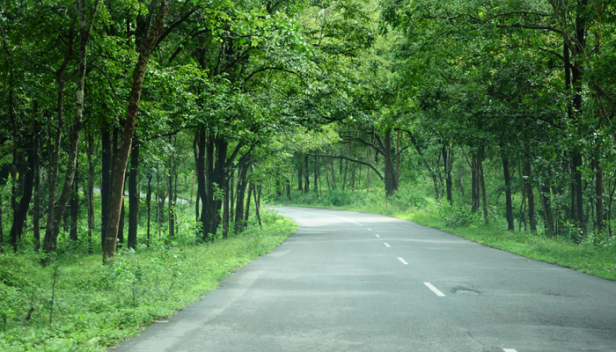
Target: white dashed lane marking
(377,236)
(438,293)
(369,229)
(386,244)
(509,350)
(403,261)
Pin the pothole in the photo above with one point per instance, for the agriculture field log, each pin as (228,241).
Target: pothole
(465,291)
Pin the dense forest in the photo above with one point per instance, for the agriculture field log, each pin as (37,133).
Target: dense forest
(129,124)
(503,108)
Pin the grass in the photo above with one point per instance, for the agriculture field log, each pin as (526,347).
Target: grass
(96,306)
(588,257)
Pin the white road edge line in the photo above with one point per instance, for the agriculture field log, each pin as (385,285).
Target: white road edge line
(386,244)
(438,293)
(403,261)
(377,236)
(509,350)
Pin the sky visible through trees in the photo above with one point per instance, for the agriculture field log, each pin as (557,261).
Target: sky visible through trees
(113,111)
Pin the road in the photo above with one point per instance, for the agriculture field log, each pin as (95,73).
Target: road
(350,281)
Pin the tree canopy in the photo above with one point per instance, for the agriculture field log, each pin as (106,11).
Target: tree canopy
(224,98)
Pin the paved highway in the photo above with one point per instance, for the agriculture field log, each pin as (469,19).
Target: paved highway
(350,281)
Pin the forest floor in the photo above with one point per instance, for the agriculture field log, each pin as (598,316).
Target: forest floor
(78,304)
(593,257)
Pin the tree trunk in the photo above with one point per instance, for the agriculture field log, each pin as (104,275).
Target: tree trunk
(599,196)
(201,181)
(74,208)
(461,171)
(258,203)
(171,193)
(577,68)
(133,196)
(482,187)
(316,175)
(578,189)
(240,195)
(353,168)
(105,178)
(333,172)
(216,179)
(448,165)
(508,202)
(232,195)
(288,189)
(344,178)
(197,203)
(36,212)
(161,197)
(367,179)
(300,176)
(121,160)
(306,174)
(390,173)
(225,210)
(251,190)
(49,241)
(55,216)
(546,203)
(57,209)
(397,160)
(528,187)
(522,224)
(422,157)
(90,192)
(148,202)
(121,225)
(327,180)
(20,214)
(475,190)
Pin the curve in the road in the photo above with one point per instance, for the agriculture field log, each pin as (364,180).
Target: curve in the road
(350,281)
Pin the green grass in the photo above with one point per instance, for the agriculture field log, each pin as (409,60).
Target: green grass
(96,305)
(588,257)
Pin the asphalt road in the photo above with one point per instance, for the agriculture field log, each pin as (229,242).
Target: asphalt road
(350,281)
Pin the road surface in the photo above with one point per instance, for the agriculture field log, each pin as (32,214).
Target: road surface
(350,281)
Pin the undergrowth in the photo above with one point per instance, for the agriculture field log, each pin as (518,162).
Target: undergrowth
(77,304)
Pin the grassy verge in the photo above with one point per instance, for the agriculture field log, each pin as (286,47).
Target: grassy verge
(588,257)
(93,306)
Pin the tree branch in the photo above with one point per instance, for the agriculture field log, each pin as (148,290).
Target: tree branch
(361,140)
(164,135)
(351,160)
(234,154)
(528,26)
(552,52)
(174,25)
(267,69)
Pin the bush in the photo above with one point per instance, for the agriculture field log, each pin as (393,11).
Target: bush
(96,305)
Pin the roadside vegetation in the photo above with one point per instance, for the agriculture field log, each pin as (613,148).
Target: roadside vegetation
(77,304)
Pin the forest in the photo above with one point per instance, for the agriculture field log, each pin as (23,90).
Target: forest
(131,125)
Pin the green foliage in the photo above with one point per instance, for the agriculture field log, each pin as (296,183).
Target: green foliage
(99,305)
(586,257)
